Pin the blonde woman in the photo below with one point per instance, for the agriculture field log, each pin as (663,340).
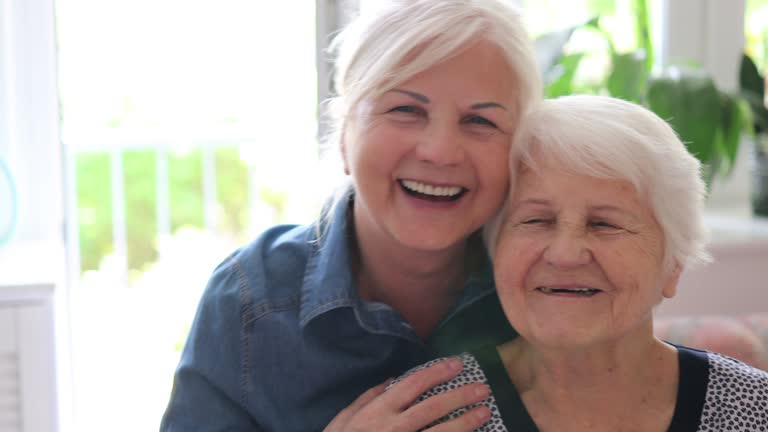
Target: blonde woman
(296,326)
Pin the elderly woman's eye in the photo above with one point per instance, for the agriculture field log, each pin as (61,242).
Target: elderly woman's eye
(603,225)
(536,221)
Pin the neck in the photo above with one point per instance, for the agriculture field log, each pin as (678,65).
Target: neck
(420,284)
(636,375)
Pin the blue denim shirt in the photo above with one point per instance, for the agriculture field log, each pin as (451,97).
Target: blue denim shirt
(282,342)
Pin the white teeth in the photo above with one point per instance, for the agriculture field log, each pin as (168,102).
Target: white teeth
(426,189)
(549,290)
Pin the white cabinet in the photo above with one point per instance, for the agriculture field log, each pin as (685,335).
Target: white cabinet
(27,359)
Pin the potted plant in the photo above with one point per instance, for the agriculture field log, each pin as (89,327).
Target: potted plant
(709,120)
(752,86)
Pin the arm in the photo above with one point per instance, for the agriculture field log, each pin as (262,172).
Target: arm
(207,390)
(198,404)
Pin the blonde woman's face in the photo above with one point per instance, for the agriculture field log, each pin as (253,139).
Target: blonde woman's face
(429,158)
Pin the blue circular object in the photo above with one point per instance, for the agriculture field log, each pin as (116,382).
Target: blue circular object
(8,200)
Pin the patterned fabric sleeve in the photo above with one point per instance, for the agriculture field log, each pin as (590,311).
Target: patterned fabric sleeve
(737,397)
(472,373)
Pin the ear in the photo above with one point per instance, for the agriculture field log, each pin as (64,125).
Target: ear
(669,289)
(343,148)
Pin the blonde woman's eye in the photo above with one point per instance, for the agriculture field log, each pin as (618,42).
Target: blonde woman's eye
(407,109)
(478,120)
(535,221)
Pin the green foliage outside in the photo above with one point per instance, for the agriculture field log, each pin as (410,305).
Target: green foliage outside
(141,220)
(186,200)
(94,208)
(232,192)
(185,175)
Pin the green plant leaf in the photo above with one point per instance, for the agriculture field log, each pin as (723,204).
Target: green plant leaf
(691,104)
(643,32)
(563,74)
(602,7)
(628,77)
(749,77)
(549,49)
(757,107)
(731,125)
(594,24)
(753,90)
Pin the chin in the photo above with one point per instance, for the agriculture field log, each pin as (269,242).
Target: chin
(426,245)
(567,339)
(428,240)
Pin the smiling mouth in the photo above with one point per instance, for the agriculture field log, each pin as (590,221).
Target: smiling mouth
(571,292)
(430,192)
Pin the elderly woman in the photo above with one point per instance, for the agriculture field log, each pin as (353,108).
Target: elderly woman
(296,326)
(604,213)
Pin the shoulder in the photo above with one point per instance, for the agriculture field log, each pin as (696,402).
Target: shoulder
(269,268)
(471,373)
(737,395)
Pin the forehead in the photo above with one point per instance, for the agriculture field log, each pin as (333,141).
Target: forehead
(479,65)
(553,182)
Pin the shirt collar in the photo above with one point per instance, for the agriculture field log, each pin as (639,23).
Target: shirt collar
(328,281)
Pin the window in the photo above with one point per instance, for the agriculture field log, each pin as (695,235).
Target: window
(184,125)
(756,32)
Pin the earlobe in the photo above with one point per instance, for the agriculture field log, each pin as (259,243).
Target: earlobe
(669,289)
(343,148)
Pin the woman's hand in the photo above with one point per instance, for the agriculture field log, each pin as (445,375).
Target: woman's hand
(377,410)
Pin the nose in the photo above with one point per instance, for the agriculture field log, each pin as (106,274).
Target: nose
(568,248)
(441,144)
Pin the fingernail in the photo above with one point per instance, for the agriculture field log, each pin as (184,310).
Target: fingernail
(455,364)
(483,415)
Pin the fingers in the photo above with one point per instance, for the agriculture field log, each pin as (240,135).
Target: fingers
(405,392)
(467,422)
(344,416)
(369,395)
(438,406)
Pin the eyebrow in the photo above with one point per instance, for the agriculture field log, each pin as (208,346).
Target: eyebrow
(607,208)
(418,96)
(599,208)
(534,201)
(424,99)
(487,105)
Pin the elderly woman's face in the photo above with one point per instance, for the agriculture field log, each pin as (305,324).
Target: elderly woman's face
(429,158)
(579,260)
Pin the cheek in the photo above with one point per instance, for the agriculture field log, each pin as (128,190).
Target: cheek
(513,261)
(493,161)
(385,142)
(635,271)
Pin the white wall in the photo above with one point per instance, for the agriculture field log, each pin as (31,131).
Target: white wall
(30,146)
(29,136)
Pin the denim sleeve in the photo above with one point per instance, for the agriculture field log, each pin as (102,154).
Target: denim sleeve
(207,391)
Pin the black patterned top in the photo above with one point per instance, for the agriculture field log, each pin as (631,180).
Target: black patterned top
(715,393)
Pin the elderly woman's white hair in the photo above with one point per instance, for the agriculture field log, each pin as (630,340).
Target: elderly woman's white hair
(393,40)
(610,138)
